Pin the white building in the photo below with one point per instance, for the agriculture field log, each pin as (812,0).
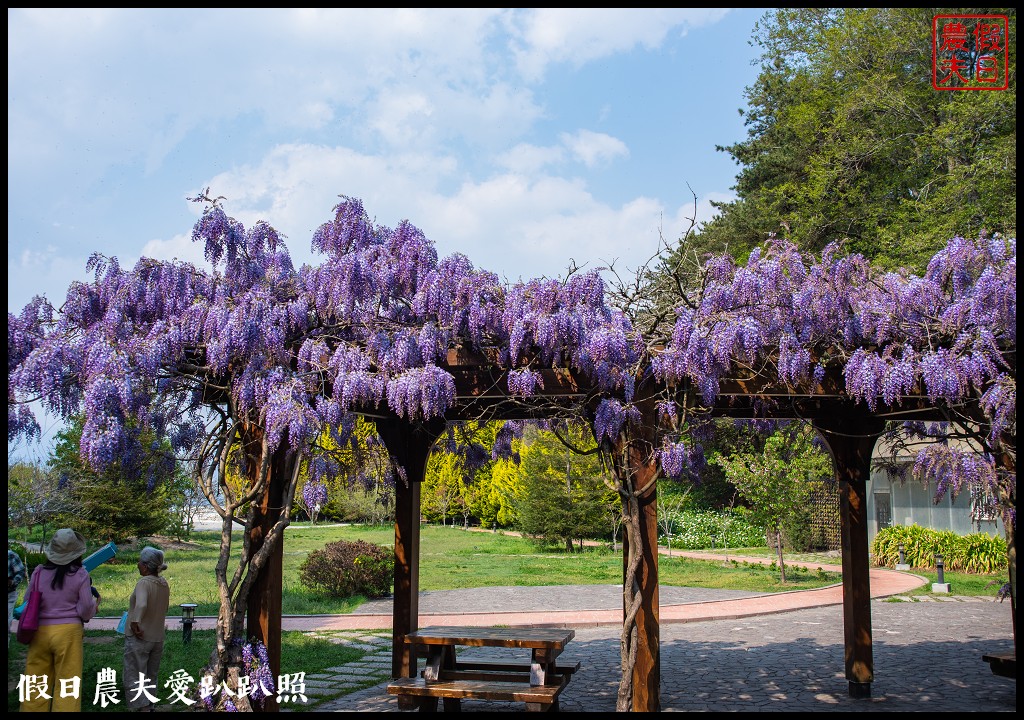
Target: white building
(892,501)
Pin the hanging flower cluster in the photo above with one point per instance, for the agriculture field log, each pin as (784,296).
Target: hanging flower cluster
(256,665)
(314,495)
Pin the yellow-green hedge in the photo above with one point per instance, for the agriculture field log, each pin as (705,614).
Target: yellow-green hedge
(975,553)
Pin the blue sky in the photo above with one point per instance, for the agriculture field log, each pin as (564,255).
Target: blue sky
(525,139)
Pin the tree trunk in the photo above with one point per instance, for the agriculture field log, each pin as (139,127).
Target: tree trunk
(778,545)
(630,599)
(636,474)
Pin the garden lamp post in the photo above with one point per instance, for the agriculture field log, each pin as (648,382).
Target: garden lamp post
(940,586)
(188,619)
(902,564)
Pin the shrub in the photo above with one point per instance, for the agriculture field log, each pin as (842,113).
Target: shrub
(344,569)
(797,530)
(975,553)
(694,530)
(29,559)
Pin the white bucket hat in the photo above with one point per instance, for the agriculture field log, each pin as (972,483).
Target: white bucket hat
(65,545)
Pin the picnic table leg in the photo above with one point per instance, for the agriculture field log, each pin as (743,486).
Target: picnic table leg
(542,667)
(542,672)
(440,657)
(452,705)
(542,707)
(427,704)
(448,663)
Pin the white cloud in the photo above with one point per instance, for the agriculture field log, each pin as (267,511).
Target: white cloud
(134,82)
(513,224)
(35,272)
(551,35)
(32,259)
(525,158)
(179,247)
(522,228)
(593,148)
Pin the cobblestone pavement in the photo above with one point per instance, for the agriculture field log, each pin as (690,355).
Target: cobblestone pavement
(927,657)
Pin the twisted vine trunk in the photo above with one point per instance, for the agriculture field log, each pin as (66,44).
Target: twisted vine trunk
(635,470)
(631,597)
(250,596)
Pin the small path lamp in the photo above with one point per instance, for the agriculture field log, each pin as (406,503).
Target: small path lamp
(902,565)
(941,586)
(188,619)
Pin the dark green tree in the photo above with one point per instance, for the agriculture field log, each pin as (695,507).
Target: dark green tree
(116,504)
(848,139)
(565,496)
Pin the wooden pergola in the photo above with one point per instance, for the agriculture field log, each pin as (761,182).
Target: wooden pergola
(849,429)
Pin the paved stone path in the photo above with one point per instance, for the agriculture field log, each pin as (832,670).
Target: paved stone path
(927,659)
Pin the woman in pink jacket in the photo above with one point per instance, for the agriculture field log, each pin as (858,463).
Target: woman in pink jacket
(55,652)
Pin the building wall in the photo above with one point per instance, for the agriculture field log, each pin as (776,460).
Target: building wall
(911,503)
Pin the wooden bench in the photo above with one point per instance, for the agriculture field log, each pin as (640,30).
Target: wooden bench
(538,682)
(423,694)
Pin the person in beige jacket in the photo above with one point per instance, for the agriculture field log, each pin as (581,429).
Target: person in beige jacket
(144,631)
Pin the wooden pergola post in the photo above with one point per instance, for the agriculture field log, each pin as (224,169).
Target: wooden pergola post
(263,618)
(643,470)
(409,446)
(851,437)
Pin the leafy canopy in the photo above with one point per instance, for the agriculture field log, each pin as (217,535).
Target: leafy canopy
(847,139)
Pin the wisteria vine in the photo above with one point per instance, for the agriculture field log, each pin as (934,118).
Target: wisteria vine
(371,326)
(253,344)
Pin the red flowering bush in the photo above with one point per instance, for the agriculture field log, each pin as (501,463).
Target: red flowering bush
(344,569)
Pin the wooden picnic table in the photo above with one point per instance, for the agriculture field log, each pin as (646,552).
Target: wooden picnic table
(445,676)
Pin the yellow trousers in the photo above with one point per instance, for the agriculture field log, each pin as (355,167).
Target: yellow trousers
(56,652)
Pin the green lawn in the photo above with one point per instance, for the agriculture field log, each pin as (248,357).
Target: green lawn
(960,583)
(450,558)
(453,558)
(824,558)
